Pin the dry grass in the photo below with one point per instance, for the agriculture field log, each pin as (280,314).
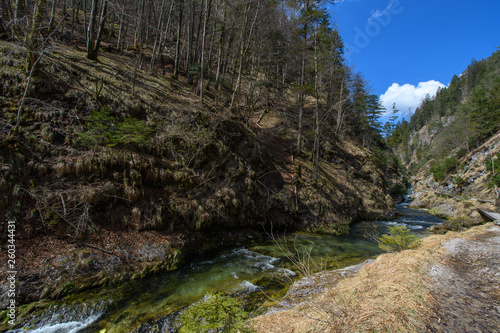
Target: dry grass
(388,295)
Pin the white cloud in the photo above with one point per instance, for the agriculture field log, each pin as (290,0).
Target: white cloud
(407,97)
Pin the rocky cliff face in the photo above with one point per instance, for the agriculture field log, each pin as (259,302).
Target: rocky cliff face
(463,190)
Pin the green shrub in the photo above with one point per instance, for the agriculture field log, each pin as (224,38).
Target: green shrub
(494,180)
(398,239)
(215,313)
(461,153)
(495,163)
(450,165)
(441,170)
(459,223)
(460,182)
(438,175)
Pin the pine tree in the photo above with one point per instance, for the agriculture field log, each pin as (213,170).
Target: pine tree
(393,116)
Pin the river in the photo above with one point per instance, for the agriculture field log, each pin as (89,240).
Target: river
(254,274)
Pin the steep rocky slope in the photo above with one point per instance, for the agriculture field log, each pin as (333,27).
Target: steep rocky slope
(451,141)
(463,190)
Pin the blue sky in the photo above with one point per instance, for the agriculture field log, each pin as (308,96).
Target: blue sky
(407,48)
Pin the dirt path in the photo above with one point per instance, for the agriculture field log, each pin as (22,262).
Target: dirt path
(466,285)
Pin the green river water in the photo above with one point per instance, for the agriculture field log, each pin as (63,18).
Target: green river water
(153,304)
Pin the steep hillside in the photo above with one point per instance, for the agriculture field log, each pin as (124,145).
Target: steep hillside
(463,190)
(115,173)
(452,139)
(460,117)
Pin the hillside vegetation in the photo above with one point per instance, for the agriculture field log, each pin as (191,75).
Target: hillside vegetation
(460,117)
(451,143)
(126,152)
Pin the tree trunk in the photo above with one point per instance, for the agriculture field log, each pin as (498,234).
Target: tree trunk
(244,49)
(20,9)
(316,113)
(138,36)
(19,12)
(221,44)
(301,105)
(208,6)
(101,26)
(63,13)
(6,16)
(77,11)
(52,14)
(35,34)
(202,65)
(169,20)
(158,39)
(178,42)
(197,44)
(120,32)
(189,53)
(212,38)
(85,21)
(26,89)
(73,13)
(91,52)
(142,24)
(340,114)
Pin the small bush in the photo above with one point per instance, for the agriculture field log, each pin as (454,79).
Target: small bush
(460,182)
(439,176)
(215,313)
(459,223)
(398,239)
(461,153)
(450,165)
(494,180)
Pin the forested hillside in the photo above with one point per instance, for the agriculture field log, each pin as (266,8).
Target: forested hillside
(451,143)
(461,116)
(148,131)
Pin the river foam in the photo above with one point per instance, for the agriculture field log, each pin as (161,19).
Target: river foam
(66,327)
